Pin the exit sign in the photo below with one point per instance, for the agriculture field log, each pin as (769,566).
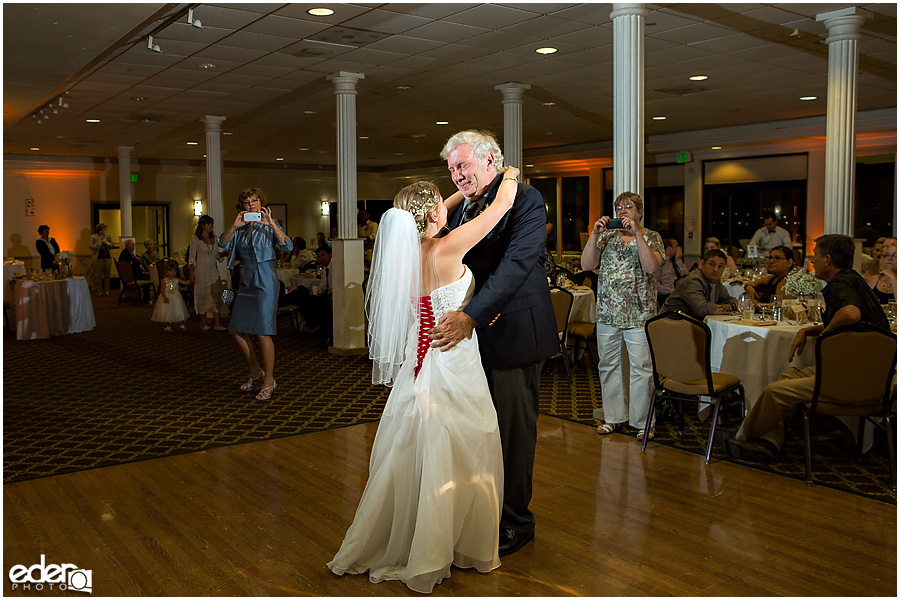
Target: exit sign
(134,177)
(683,157)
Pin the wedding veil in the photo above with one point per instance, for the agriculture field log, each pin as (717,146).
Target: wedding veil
(391,294)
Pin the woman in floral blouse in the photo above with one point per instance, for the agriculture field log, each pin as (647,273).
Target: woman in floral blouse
(626,297)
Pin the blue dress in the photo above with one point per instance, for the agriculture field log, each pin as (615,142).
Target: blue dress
(256,302)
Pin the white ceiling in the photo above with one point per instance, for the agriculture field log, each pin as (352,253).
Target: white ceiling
(269,82)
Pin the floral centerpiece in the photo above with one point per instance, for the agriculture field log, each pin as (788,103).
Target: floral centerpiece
(801,284)
(65,259)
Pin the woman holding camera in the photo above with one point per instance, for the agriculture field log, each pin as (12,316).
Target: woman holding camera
(629,257)
(253,237)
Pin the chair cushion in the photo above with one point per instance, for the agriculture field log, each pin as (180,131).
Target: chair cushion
(582,330)
(721,382)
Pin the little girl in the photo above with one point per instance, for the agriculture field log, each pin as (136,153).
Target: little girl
(170,306)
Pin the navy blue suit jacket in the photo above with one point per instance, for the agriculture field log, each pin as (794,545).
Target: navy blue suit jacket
(516,324)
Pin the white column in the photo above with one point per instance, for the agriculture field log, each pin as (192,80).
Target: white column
(214,169)
(347,270)
(125,192)
(628,98)
(840,122)
(512,122)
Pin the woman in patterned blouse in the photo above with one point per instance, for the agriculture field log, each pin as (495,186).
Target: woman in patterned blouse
(629,258)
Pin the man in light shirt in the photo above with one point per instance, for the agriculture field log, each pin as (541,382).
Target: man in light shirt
(770,235)
(671,270)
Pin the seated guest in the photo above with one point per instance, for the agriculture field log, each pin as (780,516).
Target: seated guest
(701,292)
(150,256)
(47,248)
(871,263)
(884,284)
(769,288)
(671,270)
(713,243)
(300,256)
(848,300)
(769,235)
(137,267)
(316,309)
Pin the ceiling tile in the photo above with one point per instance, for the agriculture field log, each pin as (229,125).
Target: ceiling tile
(285,27)
(386,21)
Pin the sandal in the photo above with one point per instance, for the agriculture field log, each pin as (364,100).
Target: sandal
(266,392)
(648,432)
(248,387)
(607,428)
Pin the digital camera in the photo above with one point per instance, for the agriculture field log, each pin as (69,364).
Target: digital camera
(614,224)
(252,216)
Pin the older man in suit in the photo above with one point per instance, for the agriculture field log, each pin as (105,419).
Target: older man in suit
(511,309)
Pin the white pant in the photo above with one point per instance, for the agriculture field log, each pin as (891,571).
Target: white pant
(620,404)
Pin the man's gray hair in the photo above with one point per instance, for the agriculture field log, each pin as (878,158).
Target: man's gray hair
(483,143)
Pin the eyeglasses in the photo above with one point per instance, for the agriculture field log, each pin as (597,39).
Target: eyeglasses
(777,258)
(894,255)
(249,201)
(621,207)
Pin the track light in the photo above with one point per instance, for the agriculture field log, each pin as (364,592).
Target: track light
(63,104)
(192,21)
(151,45)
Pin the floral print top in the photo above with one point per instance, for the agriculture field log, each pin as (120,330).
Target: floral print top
(626,294)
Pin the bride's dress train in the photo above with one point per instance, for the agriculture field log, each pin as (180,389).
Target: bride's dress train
(435,485)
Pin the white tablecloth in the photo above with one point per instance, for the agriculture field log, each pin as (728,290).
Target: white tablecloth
(56,307)
(758,355)
(9,270)
(285,275)
(584,305)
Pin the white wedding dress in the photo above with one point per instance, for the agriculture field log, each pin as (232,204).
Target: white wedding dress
(436,472)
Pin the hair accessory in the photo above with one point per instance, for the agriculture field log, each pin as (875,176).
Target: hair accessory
(423,203)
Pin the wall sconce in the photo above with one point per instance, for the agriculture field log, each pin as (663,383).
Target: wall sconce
(198,208)
(326,209)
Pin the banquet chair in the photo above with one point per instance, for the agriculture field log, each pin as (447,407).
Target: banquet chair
(562,300)
(585,278)
(869,353)
(129,283)
(584,332)
(680,352)
(161,268)
(87,262)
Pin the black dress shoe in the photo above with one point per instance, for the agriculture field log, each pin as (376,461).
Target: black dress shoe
(758,451)
(512,540)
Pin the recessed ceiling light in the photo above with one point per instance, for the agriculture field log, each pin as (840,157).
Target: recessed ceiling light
(279,158)
(698,77)
(92,120)
(207,65)
(402,87)
(398,154)
(442,122)
(548,103)
(807,98)
(138,98)
(715,147)
(227,133)
(659,118)
(417,136)
(363,137)
(529,166)
(192,143)
(34,148)
(303,149)
(320,12)
(546,50)
(309,112)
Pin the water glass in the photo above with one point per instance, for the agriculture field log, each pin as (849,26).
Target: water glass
(561,280)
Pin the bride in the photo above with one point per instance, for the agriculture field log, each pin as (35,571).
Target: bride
(435,485)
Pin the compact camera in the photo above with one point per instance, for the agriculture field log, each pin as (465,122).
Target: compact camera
(252,216)
(614,224)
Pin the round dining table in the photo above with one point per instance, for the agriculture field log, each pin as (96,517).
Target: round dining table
(52,307)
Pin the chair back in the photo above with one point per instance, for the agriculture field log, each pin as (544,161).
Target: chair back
(125,272)
(854,371)
(562,300)
(679,350)
(588,278)
(161,268)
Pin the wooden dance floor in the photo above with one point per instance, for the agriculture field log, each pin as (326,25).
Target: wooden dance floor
(262,519)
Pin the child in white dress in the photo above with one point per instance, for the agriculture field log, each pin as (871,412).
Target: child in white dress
(170,306)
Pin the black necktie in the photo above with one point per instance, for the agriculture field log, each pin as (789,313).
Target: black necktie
(471,211)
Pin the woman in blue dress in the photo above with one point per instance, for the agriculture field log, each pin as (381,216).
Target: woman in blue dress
(256,303)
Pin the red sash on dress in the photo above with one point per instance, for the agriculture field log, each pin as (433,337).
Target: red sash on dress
(426,323)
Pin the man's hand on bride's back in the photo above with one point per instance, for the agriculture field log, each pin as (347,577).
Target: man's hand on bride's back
(452,328)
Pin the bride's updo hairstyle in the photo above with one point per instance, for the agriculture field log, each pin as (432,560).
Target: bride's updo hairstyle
(420,199)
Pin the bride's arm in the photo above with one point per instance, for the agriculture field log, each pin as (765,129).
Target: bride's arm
(463,238)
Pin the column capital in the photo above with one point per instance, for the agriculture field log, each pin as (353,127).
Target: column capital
(844,24)
(512,91)
(628,10)
(125,150)
(345,82)
(213,122)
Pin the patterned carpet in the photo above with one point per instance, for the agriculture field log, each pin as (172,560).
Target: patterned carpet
(128,391)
